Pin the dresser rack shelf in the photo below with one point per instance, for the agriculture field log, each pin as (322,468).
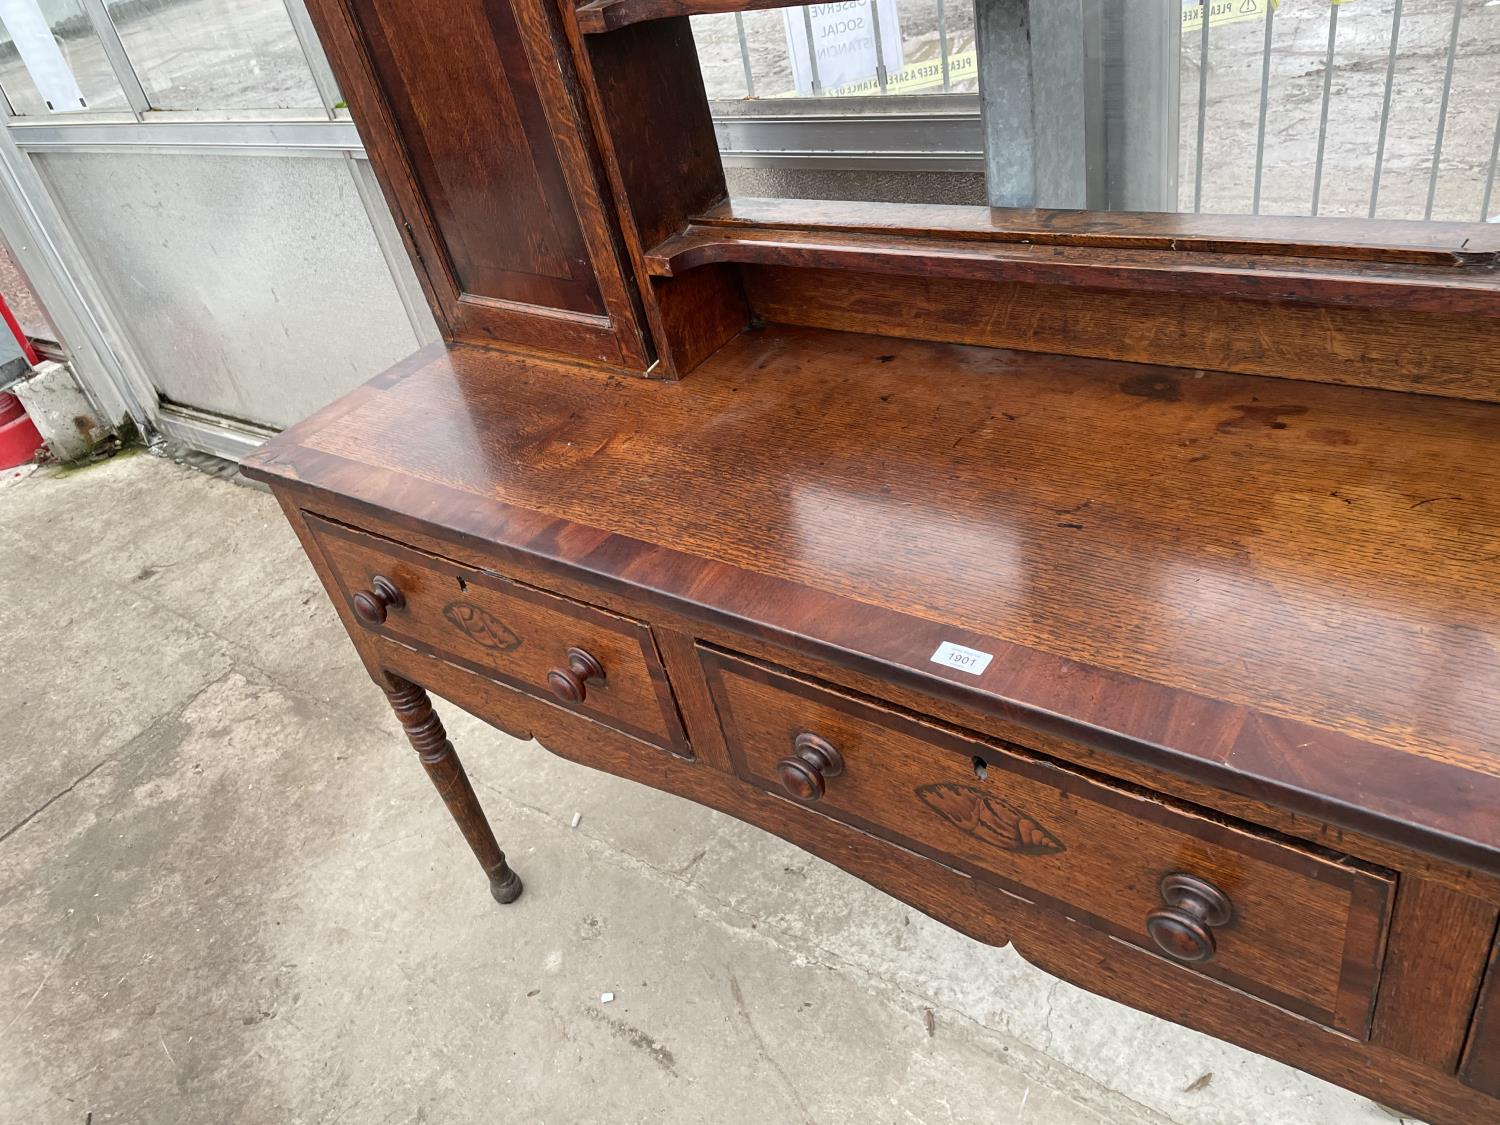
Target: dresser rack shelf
(1262,277)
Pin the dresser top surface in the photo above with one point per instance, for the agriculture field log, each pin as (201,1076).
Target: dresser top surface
(1290,585)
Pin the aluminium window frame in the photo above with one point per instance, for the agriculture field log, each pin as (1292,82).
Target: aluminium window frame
(104,360)
(909,132)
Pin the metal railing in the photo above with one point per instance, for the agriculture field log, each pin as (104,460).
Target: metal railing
(787,143)
(1393,56)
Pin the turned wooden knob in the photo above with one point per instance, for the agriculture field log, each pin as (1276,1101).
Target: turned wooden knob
(370,605)
(813,760)
(568,683)
(1183,928)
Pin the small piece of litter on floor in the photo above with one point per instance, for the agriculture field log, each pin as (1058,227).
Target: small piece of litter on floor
(576,818)
(1198,1083)
(606,997)
(931,1021)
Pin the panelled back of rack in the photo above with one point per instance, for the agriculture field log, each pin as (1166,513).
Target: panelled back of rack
(471,114)
(1398,305)
(1430,353)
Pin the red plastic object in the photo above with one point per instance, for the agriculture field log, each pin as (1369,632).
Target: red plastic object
(15,330)
(18,435)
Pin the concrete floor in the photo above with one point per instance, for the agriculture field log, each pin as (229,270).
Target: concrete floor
(227,893)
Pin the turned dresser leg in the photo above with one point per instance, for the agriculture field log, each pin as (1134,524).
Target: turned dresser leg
(425,732)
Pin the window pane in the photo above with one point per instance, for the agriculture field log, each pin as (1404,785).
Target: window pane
(51,60)
(917,38)
(918,139)
(22,300)
(215,54)
(1323,70)
(253,286)
(1385,108)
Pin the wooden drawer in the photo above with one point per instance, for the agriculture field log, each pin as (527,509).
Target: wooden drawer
(1306,929)
(513,633)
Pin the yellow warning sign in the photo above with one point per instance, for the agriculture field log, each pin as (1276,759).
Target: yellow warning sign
(1225,11)
(916,77)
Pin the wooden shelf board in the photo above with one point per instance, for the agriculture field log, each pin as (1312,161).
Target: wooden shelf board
(1135,265)
(1392,241)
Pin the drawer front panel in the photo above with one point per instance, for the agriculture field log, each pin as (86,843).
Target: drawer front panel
(510,632)
(1306,930)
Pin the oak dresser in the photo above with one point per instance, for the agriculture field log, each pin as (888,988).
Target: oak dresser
(1122,587)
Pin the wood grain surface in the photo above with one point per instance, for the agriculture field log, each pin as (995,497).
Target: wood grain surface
(1392,241)
(1434,965)
(1255,277)
(1285,589)
(490,168)
(1481,1064)
(1429,353)
(640,86)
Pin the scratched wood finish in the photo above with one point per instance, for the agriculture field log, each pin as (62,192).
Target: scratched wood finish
(1254,583)
(1261,277)
(1390,241)
(1306,932)
(1430,353)
(471,114)
(509,631)
(1277,600)
(1093,960)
